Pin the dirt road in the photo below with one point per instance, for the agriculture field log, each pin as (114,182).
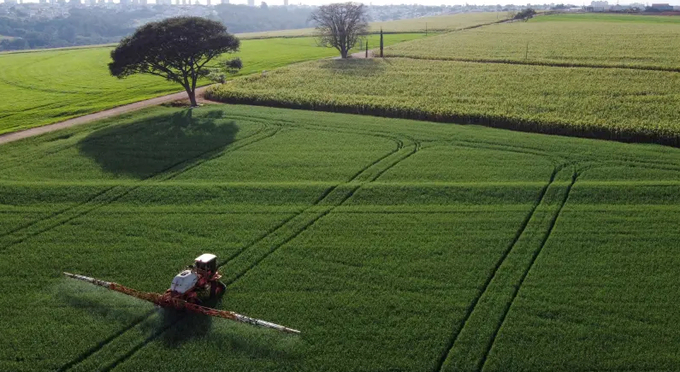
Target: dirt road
(15,136)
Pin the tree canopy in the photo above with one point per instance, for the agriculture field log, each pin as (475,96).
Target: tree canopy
(178,49)
(341,25)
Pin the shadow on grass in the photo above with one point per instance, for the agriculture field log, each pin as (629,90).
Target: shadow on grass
(156,144)
(229,337)
(355,66)
(174,329)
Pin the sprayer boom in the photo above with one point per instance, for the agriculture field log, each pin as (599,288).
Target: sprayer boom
(173,300)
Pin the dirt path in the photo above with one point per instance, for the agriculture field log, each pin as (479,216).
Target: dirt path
(15,136)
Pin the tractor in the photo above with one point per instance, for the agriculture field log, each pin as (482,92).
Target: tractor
(189,289)
(199,282)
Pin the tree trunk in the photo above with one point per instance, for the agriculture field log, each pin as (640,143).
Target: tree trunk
(192,97)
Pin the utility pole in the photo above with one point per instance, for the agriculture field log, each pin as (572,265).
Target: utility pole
(381,43)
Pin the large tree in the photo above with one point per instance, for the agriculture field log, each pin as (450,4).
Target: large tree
(178,49)
(340,25)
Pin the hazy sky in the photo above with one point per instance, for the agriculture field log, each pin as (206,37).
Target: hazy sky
(374,2)
(423,2)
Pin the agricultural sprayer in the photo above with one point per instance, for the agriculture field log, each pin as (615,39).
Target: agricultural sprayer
(187,292)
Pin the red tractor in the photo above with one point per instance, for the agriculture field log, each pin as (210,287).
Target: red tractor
(199,282)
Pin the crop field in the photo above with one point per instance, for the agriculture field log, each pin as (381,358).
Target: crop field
(44,87)
(622,104)
(434,24)
(556,40)
(391,244)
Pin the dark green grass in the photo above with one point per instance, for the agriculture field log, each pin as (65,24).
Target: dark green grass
(391,244)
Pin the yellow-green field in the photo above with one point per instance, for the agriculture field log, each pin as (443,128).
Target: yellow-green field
(626,86)
(435,24)
(552,40)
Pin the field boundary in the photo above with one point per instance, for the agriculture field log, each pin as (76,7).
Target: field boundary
(627,135)
(537,63)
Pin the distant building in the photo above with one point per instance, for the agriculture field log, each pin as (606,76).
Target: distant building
(251,2)
(285,2)
(10,1)
(662,7)
(599,6)
(225,1)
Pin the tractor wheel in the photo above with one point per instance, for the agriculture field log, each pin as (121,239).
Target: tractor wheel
(217,289)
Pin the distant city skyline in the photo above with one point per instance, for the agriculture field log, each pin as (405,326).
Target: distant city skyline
(393,2)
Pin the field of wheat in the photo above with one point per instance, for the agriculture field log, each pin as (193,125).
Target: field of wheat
(488,249)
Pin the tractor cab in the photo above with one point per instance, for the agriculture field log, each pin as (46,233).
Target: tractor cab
(207,263)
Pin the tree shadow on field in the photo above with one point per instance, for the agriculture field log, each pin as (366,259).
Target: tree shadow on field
(356,66)
(156,144)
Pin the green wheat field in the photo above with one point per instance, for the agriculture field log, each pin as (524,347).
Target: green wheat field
(392,244)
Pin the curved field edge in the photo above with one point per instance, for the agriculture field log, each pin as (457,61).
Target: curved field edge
(47,87)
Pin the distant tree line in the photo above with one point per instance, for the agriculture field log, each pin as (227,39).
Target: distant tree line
(88,26)
(80,27)
(242,18)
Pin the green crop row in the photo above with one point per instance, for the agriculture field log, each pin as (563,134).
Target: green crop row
(619,104)
(477,245)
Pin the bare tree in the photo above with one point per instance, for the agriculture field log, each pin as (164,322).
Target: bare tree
(340,25)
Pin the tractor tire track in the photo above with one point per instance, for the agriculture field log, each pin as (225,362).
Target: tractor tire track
(137,347)
(112,338)
(106,341)
(321,198)
(351,193)
(551,227)
(288,239)
(161,175)
(271,231)
(487,282)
